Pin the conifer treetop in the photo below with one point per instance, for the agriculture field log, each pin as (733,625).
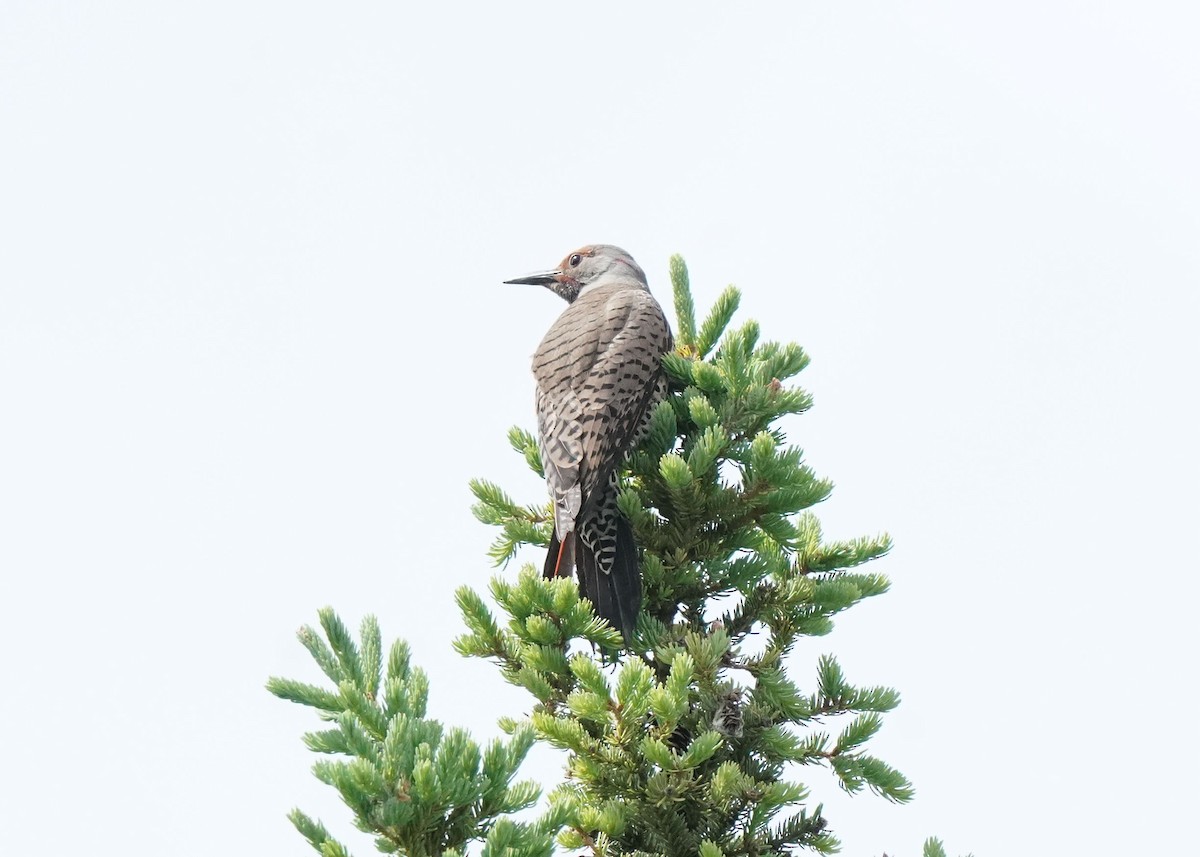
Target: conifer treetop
(691,739)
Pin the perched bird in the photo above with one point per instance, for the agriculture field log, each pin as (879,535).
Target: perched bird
(599,376)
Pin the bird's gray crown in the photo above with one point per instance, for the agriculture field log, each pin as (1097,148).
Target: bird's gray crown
(595,263)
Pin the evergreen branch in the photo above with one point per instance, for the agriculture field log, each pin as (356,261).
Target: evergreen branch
(493,497)
(398,661)
(679,368)
(885,780)
(861,729)
(321,653)
(933,848)
(421,790)
(372,656)
(526,445)
(718,319)
(685,308)
(327,741)
(366,712)
(842,555)
(316,834)
(343,646)
(305,694)
(803,831)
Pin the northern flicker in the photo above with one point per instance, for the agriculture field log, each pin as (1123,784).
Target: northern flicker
(599,376)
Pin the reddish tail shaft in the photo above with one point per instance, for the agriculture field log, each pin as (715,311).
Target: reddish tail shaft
(559,571)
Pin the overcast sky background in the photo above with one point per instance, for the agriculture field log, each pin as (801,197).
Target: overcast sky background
(253,344)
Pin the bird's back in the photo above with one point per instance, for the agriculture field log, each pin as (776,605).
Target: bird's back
(598,372)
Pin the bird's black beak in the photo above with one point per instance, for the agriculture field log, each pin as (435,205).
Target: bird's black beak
(543,278)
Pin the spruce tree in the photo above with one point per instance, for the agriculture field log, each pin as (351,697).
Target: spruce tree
(690,741)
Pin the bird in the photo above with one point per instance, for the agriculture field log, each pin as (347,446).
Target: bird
(599,377)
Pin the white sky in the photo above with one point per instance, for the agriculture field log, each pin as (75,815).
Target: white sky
(253,344)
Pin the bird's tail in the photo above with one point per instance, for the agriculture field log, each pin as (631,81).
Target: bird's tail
(608,573)
(615,592)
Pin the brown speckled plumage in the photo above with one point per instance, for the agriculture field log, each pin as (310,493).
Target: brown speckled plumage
(599,375)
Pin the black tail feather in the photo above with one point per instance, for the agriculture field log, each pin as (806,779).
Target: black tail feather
(617,595)
(550,568)
(626,580)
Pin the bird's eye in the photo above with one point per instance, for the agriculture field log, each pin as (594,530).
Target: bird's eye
(574,260)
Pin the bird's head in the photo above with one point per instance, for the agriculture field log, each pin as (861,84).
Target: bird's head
(585,267)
